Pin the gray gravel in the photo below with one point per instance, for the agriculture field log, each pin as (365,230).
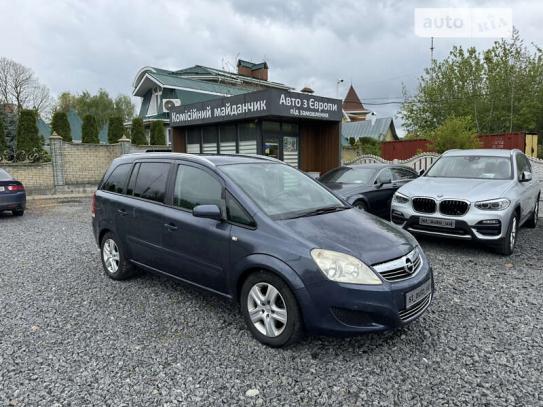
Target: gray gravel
(70,336)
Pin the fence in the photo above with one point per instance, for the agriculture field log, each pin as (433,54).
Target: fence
(73,168)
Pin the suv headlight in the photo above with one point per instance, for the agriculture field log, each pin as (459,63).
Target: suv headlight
(343,268)
(493,204)
(400,198)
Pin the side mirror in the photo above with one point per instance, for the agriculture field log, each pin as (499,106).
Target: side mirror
(525,176)
(207,211)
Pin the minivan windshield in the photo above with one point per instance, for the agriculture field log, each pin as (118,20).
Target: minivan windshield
(348,175)
(472,166)
(281,191)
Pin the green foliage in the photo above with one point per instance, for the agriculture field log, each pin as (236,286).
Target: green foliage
(3,142)
(158,135)
(115,129)
(455,132)
(137,132)
(101,105)
(368,145)
(500,88)
(29,143)
(61,125)
(90,130)
(352,142)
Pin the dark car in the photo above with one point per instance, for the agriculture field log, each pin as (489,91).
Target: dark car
(261,233)
(370,186)
(12,194)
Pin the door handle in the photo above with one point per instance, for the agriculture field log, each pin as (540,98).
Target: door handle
(170,226)
(122,212)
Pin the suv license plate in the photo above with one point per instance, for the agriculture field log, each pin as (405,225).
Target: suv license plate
(414,296)
(444,223)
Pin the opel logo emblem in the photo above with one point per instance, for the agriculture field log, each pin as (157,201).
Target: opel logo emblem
(409,266)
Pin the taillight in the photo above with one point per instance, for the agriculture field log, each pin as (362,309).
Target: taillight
(93,204)
(15,188)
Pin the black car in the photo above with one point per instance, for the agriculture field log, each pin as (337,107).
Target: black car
(12,194)
(370,186)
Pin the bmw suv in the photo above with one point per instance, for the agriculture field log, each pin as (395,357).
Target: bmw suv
(254,230)
(483,195)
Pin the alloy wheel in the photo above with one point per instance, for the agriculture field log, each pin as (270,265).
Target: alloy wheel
(110,254)
(267,309)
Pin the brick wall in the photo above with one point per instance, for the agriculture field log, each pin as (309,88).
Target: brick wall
(87,163)
(37,178)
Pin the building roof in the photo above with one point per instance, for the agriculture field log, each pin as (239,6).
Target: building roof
(251,65)
(375,128)
(75,125)
(352,102)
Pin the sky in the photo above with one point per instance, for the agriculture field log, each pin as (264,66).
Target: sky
(87,45)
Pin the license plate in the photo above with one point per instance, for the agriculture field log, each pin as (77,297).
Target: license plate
(414,296)
(2,189)
(444,223)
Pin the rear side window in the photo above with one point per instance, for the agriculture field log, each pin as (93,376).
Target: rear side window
(151,181)
(194,187)
(117,179)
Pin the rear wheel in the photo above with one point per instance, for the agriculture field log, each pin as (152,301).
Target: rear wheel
(115,264)
(507,244)
(532,221)
(18,212)
(270,310)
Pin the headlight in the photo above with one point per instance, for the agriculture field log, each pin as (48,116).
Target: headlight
(493,204)
(399,198)
(343,268)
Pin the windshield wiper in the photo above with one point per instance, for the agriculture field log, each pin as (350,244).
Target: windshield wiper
(320,211)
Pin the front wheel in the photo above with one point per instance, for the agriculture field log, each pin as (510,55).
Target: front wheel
(507,244)
(270,310)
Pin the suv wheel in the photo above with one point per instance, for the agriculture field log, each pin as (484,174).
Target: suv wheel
(270,310)
(507,244)
(532,221)
(115,264)
(18,212)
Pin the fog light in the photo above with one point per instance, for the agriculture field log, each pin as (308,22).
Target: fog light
(490,222)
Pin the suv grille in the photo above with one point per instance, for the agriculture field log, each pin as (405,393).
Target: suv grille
(453,208)
(402,268)
(415,310)
(424,205)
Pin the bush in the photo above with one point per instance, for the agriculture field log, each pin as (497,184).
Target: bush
(29,143)
(3,142)
(90,130)
(115,129)
(455,132)
(158,135)
(137,132)
(368,145)
(61,126)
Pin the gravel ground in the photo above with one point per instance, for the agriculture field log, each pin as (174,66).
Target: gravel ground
(70,336)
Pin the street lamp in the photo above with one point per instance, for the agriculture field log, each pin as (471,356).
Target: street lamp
(339,81)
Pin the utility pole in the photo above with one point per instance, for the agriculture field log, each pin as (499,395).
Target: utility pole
(339,81)
(431,50)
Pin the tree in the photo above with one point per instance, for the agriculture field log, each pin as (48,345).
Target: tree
(455,132)
(158,136)
(61,126)
(368,145)
(115,129)
(101,105)
(29,142)
(500,88)
(90,130)
(352,142)
(137,132)
(3,143)
(19,86)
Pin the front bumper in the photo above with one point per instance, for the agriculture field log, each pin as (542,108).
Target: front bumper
(332,308)
(12,200)
(476,224)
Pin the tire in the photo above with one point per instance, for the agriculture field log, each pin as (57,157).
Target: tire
(361,205)
(18,212)
(268,314)
(507,245)
(118,268)
(532,221)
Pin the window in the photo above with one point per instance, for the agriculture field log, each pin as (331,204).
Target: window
(151,181)
(117,179)
(349,175)
(402,174)
(209,145)
(471,166)
(132,181)
(523,164)
(247,138)
(236,214)
(384,176)
(194,187)
(228,138)
(193,140)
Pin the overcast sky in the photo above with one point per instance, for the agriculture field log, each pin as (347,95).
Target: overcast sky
(87,45)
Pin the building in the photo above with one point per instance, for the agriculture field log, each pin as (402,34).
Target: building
(381,129)
(353,108)
(213,111)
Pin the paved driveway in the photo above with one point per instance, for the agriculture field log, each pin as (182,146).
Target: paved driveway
(70,336)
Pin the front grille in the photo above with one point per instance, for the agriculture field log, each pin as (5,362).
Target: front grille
(402,268)
(415,310)
(453,207)
(424,205)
